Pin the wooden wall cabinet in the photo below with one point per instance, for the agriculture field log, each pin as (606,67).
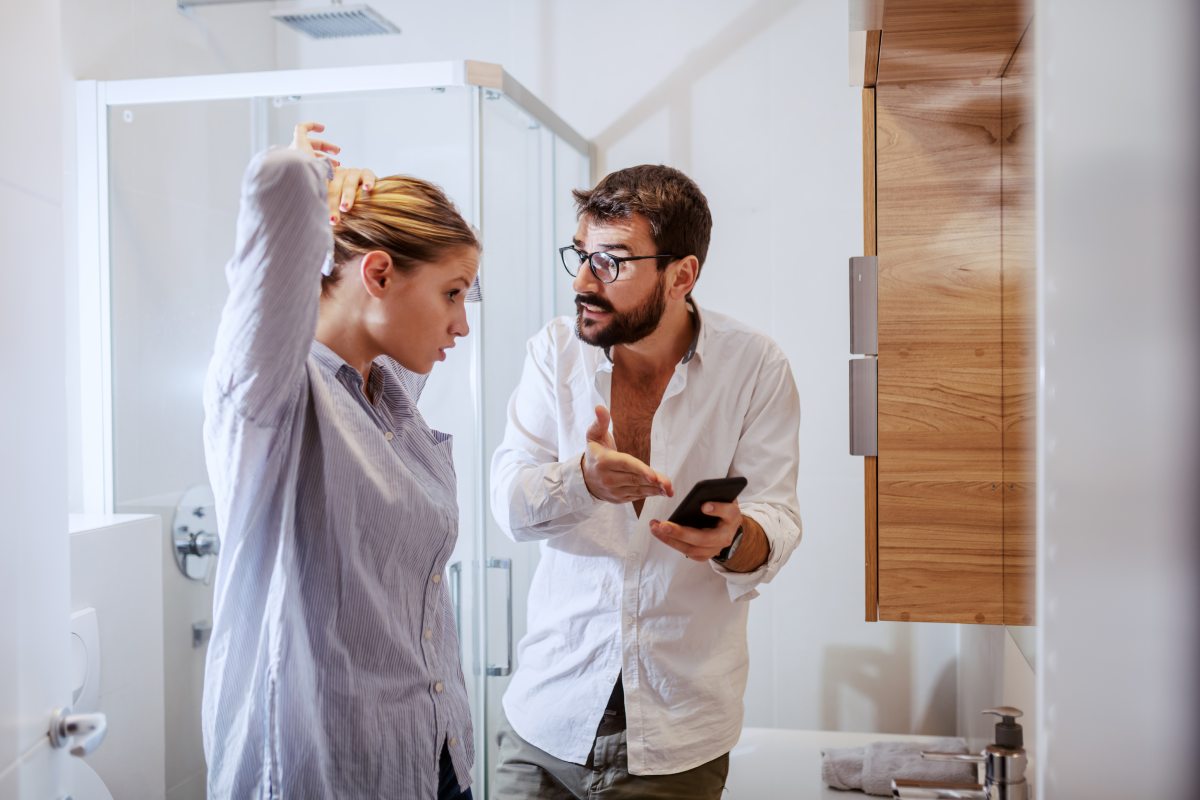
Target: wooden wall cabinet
(948,202)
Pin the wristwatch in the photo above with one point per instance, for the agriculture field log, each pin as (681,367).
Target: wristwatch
(727,552)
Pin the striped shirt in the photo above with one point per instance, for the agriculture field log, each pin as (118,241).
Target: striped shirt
(333,667)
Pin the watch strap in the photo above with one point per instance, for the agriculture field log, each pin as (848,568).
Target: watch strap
(728,551)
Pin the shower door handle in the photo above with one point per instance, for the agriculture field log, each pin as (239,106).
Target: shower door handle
(505,669)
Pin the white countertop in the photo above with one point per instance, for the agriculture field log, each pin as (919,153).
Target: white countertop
(782,764)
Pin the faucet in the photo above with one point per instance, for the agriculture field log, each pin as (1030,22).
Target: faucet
(1004,768)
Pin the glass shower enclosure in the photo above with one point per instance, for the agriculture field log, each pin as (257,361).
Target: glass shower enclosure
(159,170)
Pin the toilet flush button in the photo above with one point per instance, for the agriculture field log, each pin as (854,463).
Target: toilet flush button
(85,654)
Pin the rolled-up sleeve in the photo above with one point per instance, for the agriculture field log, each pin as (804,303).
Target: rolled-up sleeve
(535,495)
(768,455)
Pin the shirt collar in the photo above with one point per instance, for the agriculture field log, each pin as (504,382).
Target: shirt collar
(332,362)
(326,357)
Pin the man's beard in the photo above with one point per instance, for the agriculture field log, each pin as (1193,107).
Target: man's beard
(623,327)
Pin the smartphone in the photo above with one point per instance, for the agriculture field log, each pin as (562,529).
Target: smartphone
(717,490)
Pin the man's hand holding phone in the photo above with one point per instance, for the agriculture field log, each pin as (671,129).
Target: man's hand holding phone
(701,544)
(616,477)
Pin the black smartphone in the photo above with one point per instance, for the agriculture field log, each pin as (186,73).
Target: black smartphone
(717,490)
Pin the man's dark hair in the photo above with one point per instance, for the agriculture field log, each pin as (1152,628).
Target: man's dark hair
(669,200)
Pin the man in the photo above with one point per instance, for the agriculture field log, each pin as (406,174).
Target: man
(632,671)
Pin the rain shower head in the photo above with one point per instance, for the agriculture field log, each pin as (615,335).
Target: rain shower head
(319,22)
(332,21)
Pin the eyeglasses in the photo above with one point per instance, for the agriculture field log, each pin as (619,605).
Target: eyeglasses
(605,266)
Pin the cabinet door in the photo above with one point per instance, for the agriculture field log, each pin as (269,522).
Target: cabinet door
(940,464)
(948,168)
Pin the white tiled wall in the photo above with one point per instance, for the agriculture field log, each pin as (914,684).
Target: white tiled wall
(33,664)
(136,39)
(116,568)
(992,672)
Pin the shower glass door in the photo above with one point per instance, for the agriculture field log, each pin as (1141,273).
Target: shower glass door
(160,171)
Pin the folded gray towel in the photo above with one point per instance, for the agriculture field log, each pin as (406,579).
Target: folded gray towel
(873,767)
(842,767)
(884,761)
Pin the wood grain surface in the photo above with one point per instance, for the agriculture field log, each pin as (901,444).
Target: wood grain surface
(940,464)
(949,39)
(1019,275)
(870,473)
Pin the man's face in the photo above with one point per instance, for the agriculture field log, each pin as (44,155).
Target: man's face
(630,308)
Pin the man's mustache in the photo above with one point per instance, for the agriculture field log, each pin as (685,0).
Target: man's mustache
(594,300)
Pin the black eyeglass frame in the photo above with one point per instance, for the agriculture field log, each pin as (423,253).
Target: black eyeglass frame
(588,257)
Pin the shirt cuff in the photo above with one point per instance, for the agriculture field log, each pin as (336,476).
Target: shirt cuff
(574,486)
(742,586)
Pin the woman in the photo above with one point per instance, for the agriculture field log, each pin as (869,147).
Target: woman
(333,667)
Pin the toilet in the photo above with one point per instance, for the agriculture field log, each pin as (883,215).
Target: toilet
(79,779)
(82,783)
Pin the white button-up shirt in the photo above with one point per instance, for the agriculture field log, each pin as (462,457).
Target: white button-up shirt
(610,599)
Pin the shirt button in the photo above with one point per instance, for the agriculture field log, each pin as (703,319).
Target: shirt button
(438,687)
(453,742)
(428,633)
(436,578)
(629,620)
(389,436)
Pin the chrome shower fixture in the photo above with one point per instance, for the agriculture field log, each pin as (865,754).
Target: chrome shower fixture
(337,20)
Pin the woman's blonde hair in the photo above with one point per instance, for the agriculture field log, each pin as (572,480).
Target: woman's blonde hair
(411,220)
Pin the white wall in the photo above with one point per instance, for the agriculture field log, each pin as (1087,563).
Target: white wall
(33,538)
(752,100)
(140,39)
(992,671)
(1118,457)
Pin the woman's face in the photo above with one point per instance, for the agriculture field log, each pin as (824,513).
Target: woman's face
(418,320)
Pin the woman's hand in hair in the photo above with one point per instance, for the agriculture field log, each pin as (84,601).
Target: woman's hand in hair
(343,190)
(318,148)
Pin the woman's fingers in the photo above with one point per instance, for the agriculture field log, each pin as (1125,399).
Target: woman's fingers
(349,189)
(300,133)
(354,179)
(335,194)
(324,146)
(302,141)
(343,190)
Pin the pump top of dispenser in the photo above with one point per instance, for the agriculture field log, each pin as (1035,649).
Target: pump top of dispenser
(1008,731)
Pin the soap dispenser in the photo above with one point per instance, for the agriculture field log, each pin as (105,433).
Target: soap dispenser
(1003,761)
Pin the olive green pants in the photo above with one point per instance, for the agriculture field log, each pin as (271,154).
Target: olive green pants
(527,772)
